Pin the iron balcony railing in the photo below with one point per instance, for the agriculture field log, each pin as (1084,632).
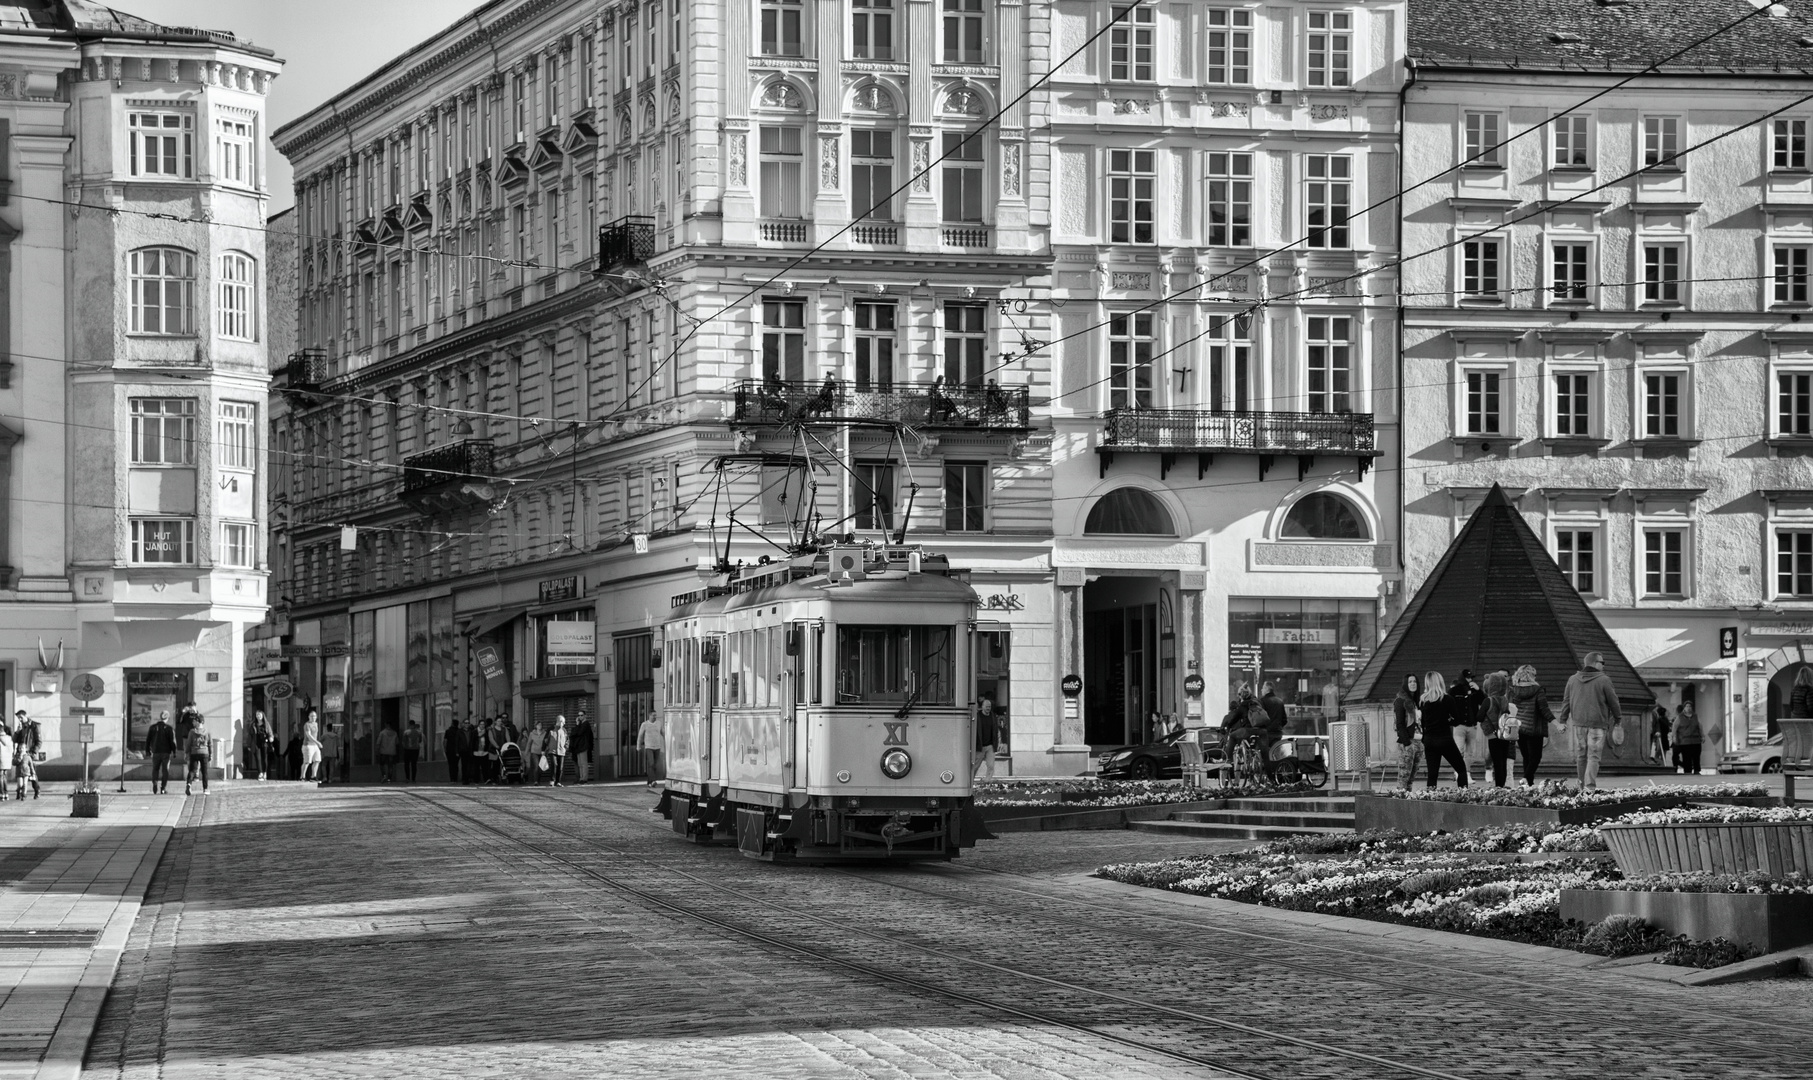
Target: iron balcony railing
(1212,430)
(627,241)
(456,463)
(990,407)
(306,370)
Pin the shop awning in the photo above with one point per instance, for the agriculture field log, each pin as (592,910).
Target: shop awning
(491,620)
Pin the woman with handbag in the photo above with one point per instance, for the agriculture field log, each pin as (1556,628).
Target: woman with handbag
(1501,726)
(1531,703)
(1436,710)
(1688,739)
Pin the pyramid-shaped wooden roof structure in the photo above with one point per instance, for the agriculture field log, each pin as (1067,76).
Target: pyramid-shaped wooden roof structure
(1495,601)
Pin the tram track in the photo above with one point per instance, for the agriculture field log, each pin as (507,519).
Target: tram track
(1146,1011)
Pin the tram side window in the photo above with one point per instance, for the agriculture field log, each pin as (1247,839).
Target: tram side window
(894,664)
(733,694)
(759,661)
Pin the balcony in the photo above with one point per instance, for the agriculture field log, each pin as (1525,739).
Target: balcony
(965,236)
(783,232)
(975,408)
(871,233)
(628,241)
(305,370)
(1207,432)
(457,476)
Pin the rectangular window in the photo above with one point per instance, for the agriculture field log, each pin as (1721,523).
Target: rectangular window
(963,32)
(1327,195)
(963,186)
(1793,563)
(162,144)
(1662,562)
(872,29)
(235,544)
(782,33)
(874,346)
(1485,138)
(1574,405)
(1662,405)
(784,340)
(1661,273)
(1230,46)
(236,440)
(1791,273)
(781,175)
(1330,48)
(233,151)
(162,282)
(1790,145)
(163,431)
(1571,150)
(1330,364)
(1662,141)
(965,344)
(1794,412)
(872,174)
(167,541)
(965,496)
(889,665)
(1231,362)
(233,303)
(1130,349)
(874,495)
(1131,44)
(1484,410)
(1132,180)
(1569,271)
(1479,269)
(1231,200)
(1574,553)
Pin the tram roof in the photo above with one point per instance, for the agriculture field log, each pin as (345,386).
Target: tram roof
(894,587)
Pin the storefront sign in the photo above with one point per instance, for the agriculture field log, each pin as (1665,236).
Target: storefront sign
(554,590)
(278,689)
(491,666)
(1288,635)
(1788,630)
(1071,685)
(571,639)
(1192,686)
(1727,643)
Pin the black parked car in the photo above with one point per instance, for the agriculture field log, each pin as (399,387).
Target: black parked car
(1159,759)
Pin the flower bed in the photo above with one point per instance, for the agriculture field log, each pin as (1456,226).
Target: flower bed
(1512,839)
(1561,795)
(1103,794)
(1550,803)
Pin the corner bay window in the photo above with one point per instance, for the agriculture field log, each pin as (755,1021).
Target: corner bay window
(169,541)
(163,431)
(235,443)
(896,665)
(162,144)
(235,544)
(233,302)
(162,284)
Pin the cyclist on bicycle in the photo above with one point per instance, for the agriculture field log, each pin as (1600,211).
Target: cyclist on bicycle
(1249,721)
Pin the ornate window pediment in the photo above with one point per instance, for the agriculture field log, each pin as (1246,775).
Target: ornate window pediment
(782,95)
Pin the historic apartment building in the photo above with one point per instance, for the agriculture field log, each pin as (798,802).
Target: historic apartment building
(1225,349)
(132,389)
(1608,321)
(556,306)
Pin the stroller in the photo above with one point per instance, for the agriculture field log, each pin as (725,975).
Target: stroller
(509,757)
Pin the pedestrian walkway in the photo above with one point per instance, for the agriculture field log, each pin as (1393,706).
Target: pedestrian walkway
(70,890)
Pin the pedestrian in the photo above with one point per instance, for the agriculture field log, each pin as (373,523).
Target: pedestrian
(555,747)
(472,770)
(1591,704)
(292,757)
(261,743)
(1689,738)
(1278,719)
(387,754)
(28,745)
(534,752)
(1500,725)
(651,741)
(1533,718)
(1660,725)
(251,752)
(185,719)
(495,740)
(988,739)
(1800,699)
(1435,711)
(1410,750)
(196,750)
(453,744)
(412,749)
(1247,720)
(1469,733)
(330,753)
(311,747)
(6,757)
(581,744)
(160,743)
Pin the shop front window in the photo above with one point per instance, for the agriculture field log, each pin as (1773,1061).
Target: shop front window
(567,644)
(1309,651)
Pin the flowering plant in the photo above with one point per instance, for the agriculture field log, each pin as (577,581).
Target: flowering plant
(1089,793)
(1719,815)
(1562,795)
(1521,839)
(1704,881)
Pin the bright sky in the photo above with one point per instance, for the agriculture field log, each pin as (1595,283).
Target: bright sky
(327,44)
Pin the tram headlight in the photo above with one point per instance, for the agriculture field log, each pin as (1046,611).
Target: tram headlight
(896,763)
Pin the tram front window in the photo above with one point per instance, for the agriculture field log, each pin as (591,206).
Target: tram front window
(895,664)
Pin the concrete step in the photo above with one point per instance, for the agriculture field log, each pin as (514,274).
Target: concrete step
(1241,817)
(1294,806)
(1209,830)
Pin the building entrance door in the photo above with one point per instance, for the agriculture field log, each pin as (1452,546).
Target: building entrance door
(1120,660)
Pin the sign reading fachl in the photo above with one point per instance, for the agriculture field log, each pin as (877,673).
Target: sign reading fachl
(1288,635)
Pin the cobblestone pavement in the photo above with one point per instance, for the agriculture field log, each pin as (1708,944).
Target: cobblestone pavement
(364,932)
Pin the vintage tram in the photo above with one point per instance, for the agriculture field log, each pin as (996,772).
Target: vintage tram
(818,708)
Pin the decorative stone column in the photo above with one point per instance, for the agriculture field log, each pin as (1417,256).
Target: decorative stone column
(1070,753)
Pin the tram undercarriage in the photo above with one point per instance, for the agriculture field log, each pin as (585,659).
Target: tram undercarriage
(829,829)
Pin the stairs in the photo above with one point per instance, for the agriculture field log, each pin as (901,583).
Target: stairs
(1259,819)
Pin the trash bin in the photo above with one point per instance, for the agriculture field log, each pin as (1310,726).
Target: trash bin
(1347,746)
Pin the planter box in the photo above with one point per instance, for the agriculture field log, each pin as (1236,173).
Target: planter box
(1002,819)
(1774,848)
(1769,923)
(85,804)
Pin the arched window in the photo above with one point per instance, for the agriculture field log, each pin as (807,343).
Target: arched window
(163,291)
(1129,511)
(233,304)
(1324,517)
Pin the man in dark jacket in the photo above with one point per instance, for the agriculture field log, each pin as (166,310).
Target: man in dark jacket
(1590,703)
(1410,747)
(1469,712)
(1277,719)
(455,744)
(160,743)
(583,741)
(196,747)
